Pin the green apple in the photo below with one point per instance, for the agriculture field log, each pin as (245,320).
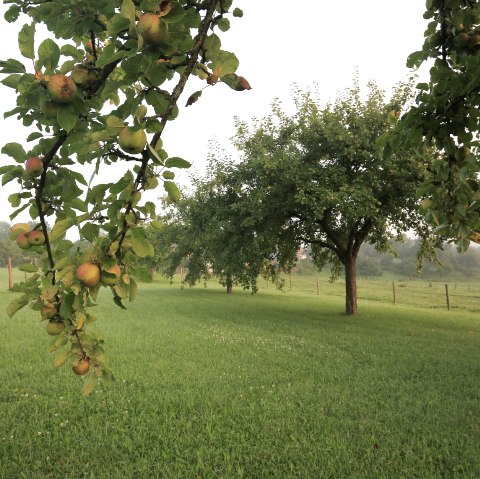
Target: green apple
(153,30)
(132,141)
(22,241)
(36,238)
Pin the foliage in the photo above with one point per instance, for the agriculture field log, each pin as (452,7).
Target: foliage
(114,64)
(318,177)
(208,238)
(446,118)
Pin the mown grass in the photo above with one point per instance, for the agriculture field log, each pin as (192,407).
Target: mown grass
(277,385)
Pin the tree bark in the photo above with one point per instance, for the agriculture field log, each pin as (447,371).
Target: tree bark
(350,285)
(229,283)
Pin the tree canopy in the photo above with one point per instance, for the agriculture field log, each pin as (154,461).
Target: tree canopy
(318,177)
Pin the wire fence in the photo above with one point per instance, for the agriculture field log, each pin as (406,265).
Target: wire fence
(460,295)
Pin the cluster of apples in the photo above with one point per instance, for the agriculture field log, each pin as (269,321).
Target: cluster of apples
(26,238)
(55,326)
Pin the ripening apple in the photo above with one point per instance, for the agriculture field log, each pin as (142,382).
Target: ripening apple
(54,328)
(36,238)
(34,166)
(49,108)
(132,141)
(109,281)
(152,29)
(61,88)
(81,366)
(20,228)
(80,75)
(89,274)
(49,311)
(22,241)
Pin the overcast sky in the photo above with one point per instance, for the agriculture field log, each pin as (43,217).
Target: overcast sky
(278,43)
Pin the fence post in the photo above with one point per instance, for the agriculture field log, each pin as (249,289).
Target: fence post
(318,289)
(448,296)
(10,274)
(290,279)
(394,293)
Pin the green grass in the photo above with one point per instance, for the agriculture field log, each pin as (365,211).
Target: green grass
(277,385)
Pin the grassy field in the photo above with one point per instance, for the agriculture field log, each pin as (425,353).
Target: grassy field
(277,385)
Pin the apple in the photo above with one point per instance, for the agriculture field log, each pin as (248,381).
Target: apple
(132,141)
(20,228)
(89,274)
(36,238)
(153,30)
(49,311)
(80,75)
(109,281)
(54,328)
(49,108)
(22,241)
(81,366)
(61,88)
(34,166)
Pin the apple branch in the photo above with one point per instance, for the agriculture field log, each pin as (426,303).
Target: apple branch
(176,93)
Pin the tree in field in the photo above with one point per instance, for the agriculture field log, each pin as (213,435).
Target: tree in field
(318,177)
(100,95)
(209,238)
(446,117)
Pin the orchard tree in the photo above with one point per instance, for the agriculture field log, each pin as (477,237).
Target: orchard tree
(210,238)
(446,117)
(100,95)
(318,177)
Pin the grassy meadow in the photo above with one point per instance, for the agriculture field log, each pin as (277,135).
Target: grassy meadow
(277,385)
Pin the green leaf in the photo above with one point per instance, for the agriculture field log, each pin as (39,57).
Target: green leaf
(212,45)
(128,11)
(26,39)
(16,151)
(70,51)
(48,55)
(34,136)
(90,231)
(237,12)
(16,304)
(28,267)
(142,247)
(67,117)
(60,228)
(11,66)
(172,190)
(14,200)
(12,13)
(223,24)
(118,301)
(176,162)
(61,357)
(224,63)
(115,122)
(89,385)
(133,290)
(12,80)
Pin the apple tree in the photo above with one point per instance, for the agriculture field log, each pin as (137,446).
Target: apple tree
(318,177)
(209,238)
(446,118)
(96,96)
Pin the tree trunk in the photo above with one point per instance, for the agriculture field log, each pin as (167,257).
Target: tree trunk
(229,283)
(350,285)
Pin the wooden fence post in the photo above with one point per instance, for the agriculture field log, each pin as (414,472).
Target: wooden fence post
(448,296)
(394,293)
(318,289)
(10,274)
(290,278)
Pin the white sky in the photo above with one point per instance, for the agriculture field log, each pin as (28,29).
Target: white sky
(278,43)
